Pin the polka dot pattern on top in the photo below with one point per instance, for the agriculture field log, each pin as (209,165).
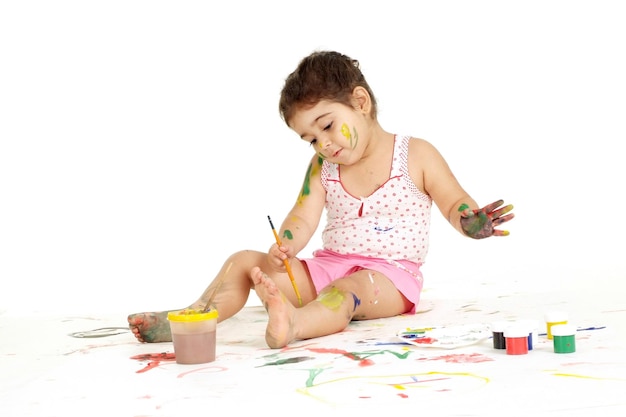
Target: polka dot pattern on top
(391,223)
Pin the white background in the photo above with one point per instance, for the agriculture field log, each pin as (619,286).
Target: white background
(141,142)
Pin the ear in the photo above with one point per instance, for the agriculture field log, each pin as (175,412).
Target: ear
(362,100)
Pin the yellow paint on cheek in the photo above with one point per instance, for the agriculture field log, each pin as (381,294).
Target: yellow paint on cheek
(346,131)
(331,298)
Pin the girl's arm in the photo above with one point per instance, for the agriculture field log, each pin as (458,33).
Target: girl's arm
(303,219)
(428,167)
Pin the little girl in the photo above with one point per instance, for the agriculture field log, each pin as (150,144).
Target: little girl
(377,189)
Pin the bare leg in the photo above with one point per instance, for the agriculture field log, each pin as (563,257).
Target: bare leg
(234,289)
(329,313)
(362,295)
(280,328)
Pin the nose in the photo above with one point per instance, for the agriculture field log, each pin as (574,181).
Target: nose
(324,142)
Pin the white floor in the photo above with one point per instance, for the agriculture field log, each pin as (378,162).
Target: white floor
(47,369)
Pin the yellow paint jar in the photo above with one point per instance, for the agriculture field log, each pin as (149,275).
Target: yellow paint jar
(554,318)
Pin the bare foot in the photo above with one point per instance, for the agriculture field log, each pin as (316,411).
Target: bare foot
(280,328)
(151,327)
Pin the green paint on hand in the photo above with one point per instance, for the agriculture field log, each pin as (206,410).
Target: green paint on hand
(463,207)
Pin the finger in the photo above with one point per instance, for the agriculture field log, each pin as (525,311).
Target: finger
(502,211)
(500,232)
(501,220)
(491,207)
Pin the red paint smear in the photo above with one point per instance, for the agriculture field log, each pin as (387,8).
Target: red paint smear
(461,358)
(150,365)
(156,359)
(362,362)
(403,395)
(424,341)
(216,368)
(163,356)
(366,362)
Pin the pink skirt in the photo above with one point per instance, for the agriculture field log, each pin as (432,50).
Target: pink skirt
(327,266)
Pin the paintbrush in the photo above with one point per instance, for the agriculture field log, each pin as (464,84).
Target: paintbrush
(286,262)
(207,307)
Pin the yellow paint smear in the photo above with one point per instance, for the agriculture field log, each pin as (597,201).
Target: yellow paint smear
(331,298)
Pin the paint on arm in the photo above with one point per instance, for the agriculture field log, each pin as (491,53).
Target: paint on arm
(311,171)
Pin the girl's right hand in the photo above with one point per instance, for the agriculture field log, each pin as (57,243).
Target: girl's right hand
(276,257)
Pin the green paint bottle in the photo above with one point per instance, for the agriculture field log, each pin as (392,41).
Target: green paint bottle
(564,338)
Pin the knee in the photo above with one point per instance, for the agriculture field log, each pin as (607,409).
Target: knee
(334,297)
(246,255)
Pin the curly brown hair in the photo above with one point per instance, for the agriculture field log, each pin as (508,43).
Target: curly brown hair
(323,75)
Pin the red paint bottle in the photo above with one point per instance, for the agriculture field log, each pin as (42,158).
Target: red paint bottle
(516,340)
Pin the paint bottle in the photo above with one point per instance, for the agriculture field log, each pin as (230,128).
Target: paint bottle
(564,338)
(533,331)
(497,331)
(516,337)
(554,318)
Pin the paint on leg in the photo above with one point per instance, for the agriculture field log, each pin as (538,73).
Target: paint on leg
(151,327)
(331,298)
(376,289)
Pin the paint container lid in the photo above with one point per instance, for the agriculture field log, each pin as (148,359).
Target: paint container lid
(499,326)
(563,330)
(188,315)
(516,330)
(556,316)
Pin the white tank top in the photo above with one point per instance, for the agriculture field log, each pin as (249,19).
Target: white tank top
(391,223)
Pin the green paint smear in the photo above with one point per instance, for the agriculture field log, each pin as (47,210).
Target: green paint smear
(356,139)
(313,373)
(365,355)
(288,234)
(306,186)
(287,361)
(477,224)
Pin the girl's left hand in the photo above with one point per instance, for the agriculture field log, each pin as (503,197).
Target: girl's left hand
(481,223)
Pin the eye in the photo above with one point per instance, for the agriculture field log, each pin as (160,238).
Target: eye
(313,142)
(328,126)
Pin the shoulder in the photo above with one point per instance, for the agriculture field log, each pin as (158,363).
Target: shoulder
(425,163)
(421,148)
(315,165)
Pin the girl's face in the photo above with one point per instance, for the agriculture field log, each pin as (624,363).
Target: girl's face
(332,129)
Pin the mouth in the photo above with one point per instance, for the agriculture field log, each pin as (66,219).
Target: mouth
(336,154)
